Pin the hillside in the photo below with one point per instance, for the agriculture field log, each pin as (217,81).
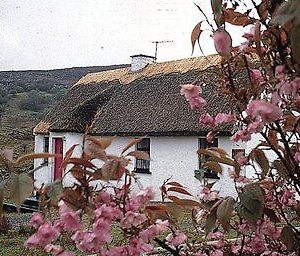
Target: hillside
(25,96)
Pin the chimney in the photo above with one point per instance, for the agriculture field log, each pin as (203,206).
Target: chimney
(139,61)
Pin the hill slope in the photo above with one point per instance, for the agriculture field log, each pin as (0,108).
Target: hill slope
(27,95)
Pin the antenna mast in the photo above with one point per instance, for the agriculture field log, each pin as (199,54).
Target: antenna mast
(160,42)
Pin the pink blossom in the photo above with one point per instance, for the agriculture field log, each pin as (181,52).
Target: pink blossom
(297,157)
(197,102)
(45,234)
(288,197)
(152,231)
(215,235)
(102,197)
(132,219)
(243,160)
(297,102)
(53,249)
(257,76)
(268,112)
(176,239)
(36,220)
(207,195)
(190,90)
(207,120)
(258,244)
(145,195)
(210,137)
(216,253)
(244,228)
(222,41)
(224,118)
(255,127)
(69,219)
(279,71)
(108,212)
(243,135)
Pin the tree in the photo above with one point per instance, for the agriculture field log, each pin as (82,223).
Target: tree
(264,213)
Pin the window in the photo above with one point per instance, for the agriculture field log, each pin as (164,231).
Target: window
(203,158)
(143,166)
(46,149)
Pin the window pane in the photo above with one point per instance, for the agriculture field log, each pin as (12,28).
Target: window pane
(143,166)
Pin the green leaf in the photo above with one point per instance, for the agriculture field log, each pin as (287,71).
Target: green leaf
(287,236)
(210,222)
(224,212)
(20,186)
(54,191)
(251,202)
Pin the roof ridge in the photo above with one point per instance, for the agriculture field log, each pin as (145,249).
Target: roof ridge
(125,76)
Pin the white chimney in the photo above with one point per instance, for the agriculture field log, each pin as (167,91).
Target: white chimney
(139,61)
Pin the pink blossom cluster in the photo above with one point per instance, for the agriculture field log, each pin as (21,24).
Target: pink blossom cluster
(191,93)
(211,121)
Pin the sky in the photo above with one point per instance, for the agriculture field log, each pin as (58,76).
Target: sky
(50,34)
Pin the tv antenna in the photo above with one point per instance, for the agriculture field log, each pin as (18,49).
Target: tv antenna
(160,42)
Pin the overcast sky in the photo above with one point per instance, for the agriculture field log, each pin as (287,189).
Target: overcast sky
(48,34)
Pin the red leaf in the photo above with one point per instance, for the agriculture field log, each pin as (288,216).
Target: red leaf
(179,190)
(185,202)
(196,35)
(237,18)
(34,156)
(139,155)
(174,183)
(132,143)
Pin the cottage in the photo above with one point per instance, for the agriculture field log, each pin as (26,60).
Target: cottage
(140,100)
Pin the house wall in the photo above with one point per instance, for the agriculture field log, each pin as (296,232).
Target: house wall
(173,157)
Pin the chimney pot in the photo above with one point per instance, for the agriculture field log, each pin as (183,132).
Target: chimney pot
(140,61)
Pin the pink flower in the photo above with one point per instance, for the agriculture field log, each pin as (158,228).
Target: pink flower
(257,76)
(190,90)
(224,118)
(264,110)
(54,249)
(145,195)
(243,160)
(258,244)
(279,71)
(176,239)
(44,235)
(217,253)
(197,102)
(215,235)
(207,120)
(132,219)
(297,156)
(210,137)
(288,197)
(297,102)
(222,41)
(69,219)
(243,135)
(36,220)
(207,195)
(255,127)
(108,212)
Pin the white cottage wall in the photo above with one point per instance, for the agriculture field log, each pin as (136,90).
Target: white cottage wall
(174,157)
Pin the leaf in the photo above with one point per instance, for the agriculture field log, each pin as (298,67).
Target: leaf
(221,151)
(103,143)
(224,212)
(81,161)
(54,191)
(156,211)
(195,36)
(174,212)
(74,198)
(272,136)
(236,18)
(185,202)
(174,183)
(251,202)
(210,222)
(34,156)
(179,190)
(132,143)
(287,236)
(272,215)
(20,186)
(295,43)
(281,169)
(112,170)
(2,184)
(67,157)
(217,11)
(286,12)
(139,155)
(260,157)
(214,166)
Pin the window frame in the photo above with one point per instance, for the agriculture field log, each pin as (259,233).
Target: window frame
(46,148)
(202,159)
(145,164)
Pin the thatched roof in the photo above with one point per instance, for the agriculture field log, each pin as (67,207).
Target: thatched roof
(148,102)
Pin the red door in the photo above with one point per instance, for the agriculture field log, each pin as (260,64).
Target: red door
(58,149)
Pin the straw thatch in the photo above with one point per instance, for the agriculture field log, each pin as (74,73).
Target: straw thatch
(148,102)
